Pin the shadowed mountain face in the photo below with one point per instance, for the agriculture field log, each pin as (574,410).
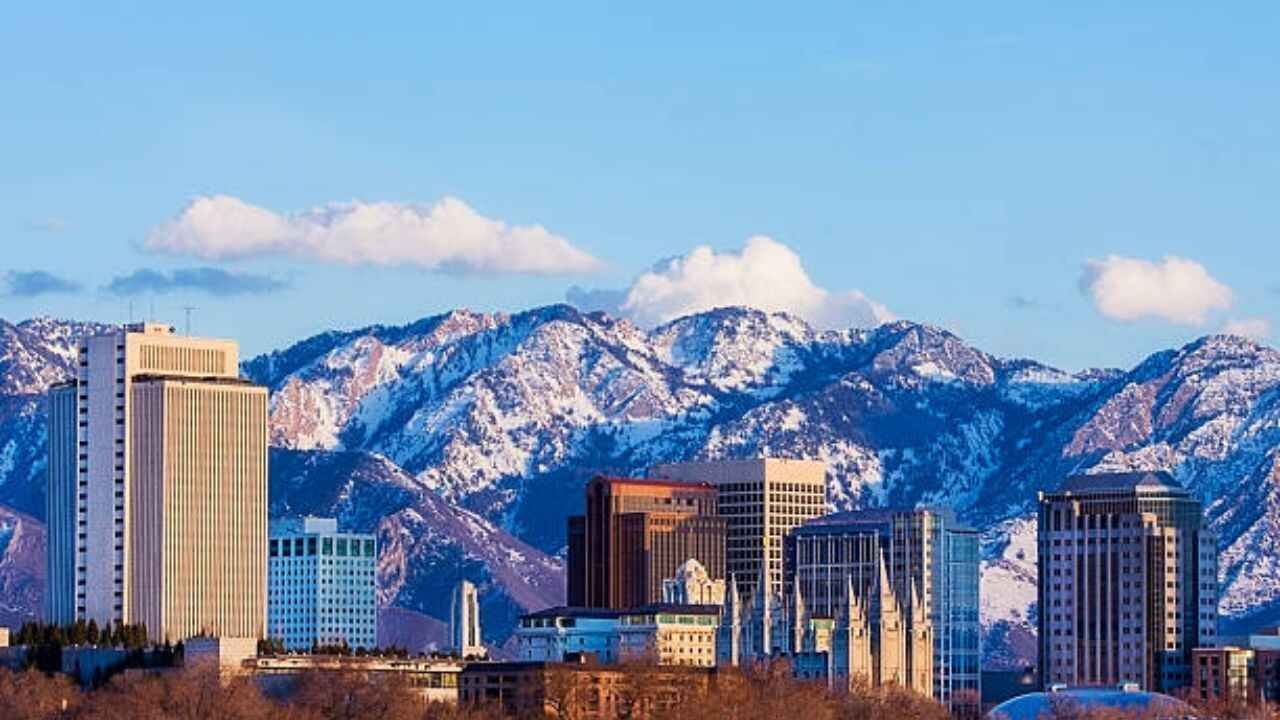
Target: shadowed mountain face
(453,436)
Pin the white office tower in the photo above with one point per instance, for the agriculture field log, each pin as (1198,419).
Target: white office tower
(322,589)
(157,491)
(464,622)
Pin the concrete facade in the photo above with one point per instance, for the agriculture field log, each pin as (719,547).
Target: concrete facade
(1127,582)
(761,501)
(464,622)
(660,633)
(157,487)
(580,689)
(549,635)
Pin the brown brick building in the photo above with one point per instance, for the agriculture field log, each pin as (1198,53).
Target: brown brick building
(636,533)
(581,688)
(1242,673)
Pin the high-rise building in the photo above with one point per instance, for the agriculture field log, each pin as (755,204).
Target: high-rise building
(761,501)
(635,534)
(931,563)
(323,586)
(1128,582)
(158,487)
(464,621)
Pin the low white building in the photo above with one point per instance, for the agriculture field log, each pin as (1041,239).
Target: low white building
(669,635)
(664,633)
(322,588)
(547,635)
(435,679)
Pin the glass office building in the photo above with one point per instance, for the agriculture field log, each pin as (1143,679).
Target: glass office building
(928,554)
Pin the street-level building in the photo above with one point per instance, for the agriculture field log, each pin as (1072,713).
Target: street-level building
(1128,581)
(323,585)
(1221,673)
(551,634)
(659,633)
(433,679)
(668,634)
(580,688)
(157,491)
(1245,667)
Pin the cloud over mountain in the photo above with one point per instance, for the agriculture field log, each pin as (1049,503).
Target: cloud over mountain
(33,283)
(1254,328)
(448,236)
(215,281)
(1176,290)
(764,274)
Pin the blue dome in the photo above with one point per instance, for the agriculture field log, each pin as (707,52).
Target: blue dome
(1034,706)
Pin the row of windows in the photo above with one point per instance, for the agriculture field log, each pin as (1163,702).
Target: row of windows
(307,547)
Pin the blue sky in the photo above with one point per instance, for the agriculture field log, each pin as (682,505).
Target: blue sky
(954,163)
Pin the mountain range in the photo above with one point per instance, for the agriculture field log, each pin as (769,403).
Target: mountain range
(464,440)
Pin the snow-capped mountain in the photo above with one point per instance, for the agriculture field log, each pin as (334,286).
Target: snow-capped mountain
(454,435)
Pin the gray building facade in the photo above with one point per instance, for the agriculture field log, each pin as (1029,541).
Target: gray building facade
(1127,581)
(931,559)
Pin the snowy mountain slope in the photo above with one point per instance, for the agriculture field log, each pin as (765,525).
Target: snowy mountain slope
(22,548)
(511,417)
(508,415)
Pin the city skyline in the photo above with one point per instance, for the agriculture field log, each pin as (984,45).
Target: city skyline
(1016,176)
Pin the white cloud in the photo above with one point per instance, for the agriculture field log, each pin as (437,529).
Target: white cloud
(1175,289)
(1253,328)
(447,236)
(764,274)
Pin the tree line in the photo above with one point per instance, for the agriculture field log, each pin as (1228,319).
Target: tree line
(762,693)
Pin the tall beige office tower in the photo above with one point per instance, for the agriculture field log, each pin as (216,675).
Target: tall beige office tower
(158,487)
(761,501)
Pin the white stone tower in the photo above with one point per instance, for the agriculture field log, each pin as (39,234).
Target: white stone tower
(464,622)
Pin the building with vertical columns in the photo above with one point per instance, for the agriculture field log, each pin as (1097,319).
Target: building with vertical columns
(761,501)
(322,586)
(637,533)
(1127,581)
(464,621)
(158,487)
(931,564)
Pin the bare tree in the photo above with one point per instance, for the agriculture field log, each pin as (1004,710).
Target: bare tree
(32,695)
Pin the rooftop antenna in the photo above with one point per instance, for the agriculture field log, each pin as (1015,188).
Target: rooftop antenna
(131,312)
(188,309)
(153,309)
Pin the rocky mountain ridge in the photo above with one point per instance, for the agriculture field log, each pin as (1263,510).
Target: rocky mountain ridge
(468,425)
